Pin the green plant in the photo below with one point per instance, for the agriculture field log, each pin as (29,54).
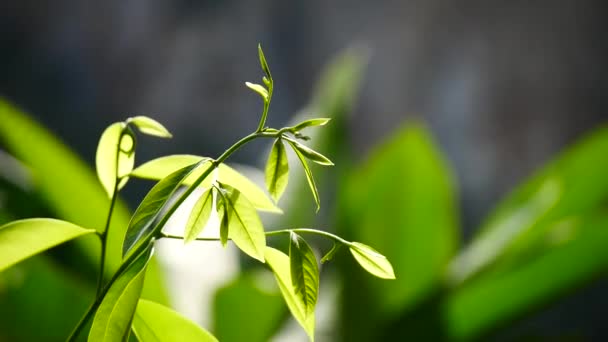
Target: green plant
(228,199)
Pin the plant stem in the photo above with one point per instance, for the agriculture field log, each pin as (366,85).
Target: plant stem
(270,233)
(104,239)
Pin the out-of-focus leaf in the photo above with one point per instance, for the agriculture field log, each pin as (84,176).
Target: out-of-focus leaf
(114,146)
(252,301)
(372,261)
(304,272)
(113,318)
(401,201)
(494,299)
(332,252)
(245,228)
(157,323)
(21,239)
(163,166)
(150,126)
(279,263)
(277,170)
(573,184)
(142,225)
(199,216)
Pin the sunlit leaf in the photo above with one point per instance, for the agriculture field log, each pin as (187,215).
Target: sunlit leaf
(150,126)
(22,239)
(112,142)
(162,167)
(245,228)
(277,170)
(332,252)
(258,89)
(279,264)
(309,153)
(113,318)
(199,216)
(309,177)
(143,223)
(154,322)
(372,261)
(311,123)
(223,219)
(304,272)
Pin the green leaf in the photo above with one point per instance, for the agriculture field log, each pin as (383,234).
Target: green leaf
(223,219)
(162,167)
(113,318)
(150,126)
(264,64)
(114,142)
(309,177)
(143,223)
(157,323)
(245,228)
(199,216)
(310,123)
(22,239)
(258,89)
(260,310)
(332,252)
(372,261)
(309,153)
(277,170)
(304,272)
(279,264)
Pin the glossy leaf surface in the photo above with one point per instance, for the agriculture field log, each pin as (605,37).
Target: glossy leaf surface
(109,152)
(372,261)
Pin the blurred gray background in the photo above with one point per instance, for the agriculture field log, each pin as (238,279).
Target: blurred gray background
(503,85)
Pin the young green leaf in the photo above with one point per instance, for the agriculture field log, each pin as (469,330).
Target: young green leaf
(304,272)
(277,170)
(264,65)
(224,226)
(332,252)
(150,126)
(279,264)
(244,225)
(113,318)
(310,123)
(22,239)
(142,226)
(154,322)
(112,141)
(309,177)
(199,216)
(258,89)
(372,261)
(309,153)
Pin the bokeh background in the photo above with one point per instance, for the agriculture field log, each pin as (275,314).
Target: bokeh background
(503,87)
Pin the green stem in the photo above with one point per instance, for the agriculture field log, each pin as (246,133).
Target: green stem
(104,239)
(265,111)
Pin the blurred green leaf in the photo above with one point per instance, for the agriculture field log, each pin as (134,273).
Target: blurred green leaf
(279,264)
(304,272)
(256,311)
(157,323)
(332,252)
(150,126)
(163,166)
(277,170)
(109,152)
(24,238)
(142,225)
(199,216)
(113,318)
(372,261)
(244,225)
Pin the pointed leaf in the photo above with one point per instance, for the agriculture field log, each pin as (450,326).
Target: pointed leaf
(162,167)
(143,223)
(309,153)
(199,216)
(22,239)
(112,143)
(304,272)
(154,322)
(113,318)
(263,63)
(245,227)
(332,252)
(223,219)
(372,261)
(258,89)
(277,170)
(311,123)
(150,126)
(309,177)
(279,264)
